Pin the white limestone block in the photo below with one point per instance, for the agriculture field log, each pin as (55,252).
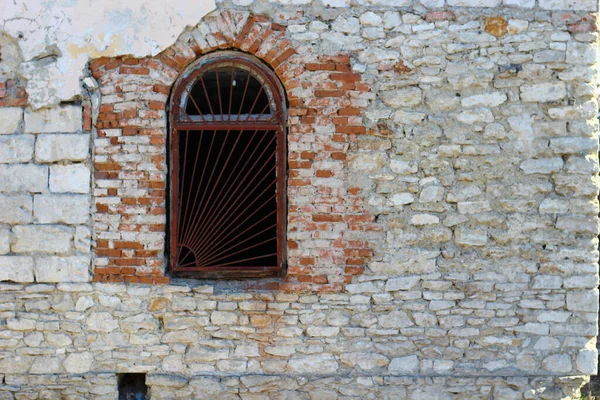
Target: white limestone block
(78,363)
(65,119)
(543,92)
(10,119)
(307,364)
(557,363)
(587,361)
(408,365)
(23,178)
(406,97)
(542,165)
(59,147)
(586,301)
(73,178)
(42,239)
(475,115)
(16,268)
(16,148)
(370,19)
(61,208)
(492,99)
(62,269)
(470,237)
(16,209)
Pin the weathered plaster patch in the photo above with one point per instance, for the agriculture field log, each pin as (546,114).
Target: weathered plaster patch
(56,39)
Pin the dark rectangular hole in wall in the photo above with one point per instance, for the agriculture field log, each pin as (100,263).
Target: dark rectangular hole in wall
(132,387)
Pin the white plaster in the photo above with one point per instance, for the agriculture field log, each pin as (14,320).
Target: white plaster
(57,38)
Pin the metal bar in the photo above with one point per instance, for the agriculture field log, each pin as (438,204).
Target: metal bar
(186,233)
(211,218)
(200,239)
(219,90)
(243,125)
(195,105)
(206,95)
(183,177)
(212,260)
(231,90)
(209,223)
(220,239)
(243,97)
(199,205)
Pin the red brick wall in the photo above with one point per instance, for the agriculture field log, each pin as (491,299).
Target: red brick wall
(130,150)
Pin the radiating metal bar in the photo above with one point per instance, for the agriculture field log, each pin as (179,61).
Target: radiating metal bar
(202,233)
(226,195)
(182,179)
(219,90)
(214,251)
(195,105)
(200,239)
(210,261)
(199,205)
(243,97)
(220,238)
(183,239)
(206,95)
(194,232)
(231,91)
(247,259)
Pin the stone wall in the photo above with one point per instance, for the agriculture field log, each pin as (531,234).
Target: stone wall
(442,231)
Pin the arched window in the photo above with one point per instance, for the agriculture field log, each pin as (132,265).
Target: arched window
(228,168)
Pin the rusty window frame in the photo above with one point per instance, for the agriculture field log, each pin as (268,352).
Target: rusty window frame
(229,122)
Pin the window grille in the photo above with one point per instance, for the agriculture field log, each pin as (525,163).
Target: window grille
(227,169)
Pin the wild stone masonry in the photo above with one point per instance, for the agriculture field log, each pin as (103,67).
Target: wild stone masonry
(442,216)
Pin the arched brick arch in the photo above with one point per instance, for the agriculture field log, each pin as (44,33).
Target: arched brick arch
(328,229)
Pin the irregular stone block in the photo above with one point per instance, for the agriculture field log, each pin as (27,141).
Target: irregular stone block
(62,269)
(16,268)
(586,301)
(69,178)
(66,119)
(101,322)
(205,354)
(42,239)
(557,363)
(10,119)
(406,97)
(408,365)
(542,165)
(57,208)
(71,147)
(78,363)
(307,364)
(470,237)
(402,283)
(543,92)
(16,148)
(23,178)
(366,361)
(587,361)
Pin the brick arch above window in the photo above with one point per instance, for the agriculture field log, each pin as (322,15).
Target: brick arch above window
(329,227)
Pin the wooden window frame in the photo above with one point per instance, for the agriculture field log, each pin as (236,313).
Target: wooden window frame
(276,95)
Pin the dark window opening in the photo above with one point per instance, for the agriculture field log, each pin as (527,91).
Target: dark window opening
(228,170)
(132,387)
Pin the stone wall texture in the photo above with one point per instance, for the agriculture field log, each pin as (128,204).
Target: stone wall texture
(442,217)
